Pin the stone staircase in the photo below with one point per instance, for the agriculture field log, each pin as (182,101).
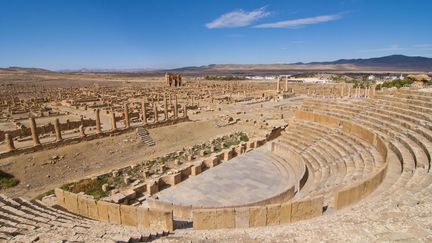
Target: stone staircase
(144,135)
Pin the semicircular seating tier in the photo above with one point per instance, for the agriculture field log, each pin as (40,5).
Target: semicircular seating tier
(30,221)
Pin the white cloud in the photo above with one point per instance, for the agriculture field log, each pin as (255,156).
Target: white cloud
(296,23)
(391,48)
(238,18)
(423,47)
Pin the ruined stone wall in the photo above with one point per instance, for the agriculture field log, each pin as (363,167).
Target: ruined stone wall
(115,213)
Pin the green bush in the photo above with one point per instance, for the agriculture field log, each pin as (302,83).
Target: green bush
(398,83)
(7,180)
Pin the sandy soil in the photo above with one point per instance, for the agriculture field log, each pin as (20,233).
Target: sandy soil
(37,174)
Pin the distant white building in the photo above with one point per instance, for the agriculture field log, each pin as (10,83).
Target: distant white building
(308,80)
(261,77)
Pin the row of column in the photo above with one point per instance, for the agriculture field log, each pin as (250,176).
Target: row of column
(34,133)
(57,128)
(358,92)
(155,109)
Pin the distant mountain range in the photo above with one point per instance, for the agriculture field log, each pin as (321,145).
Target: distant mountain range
(392,63)
(400,61)
(386,63)
(24,69)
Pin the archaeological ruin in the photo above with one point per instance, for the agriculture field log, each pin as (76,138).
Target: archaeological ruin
(173,79)
(196,159)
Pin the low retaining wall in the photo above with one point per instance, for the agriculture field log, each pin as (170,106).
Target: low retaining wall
(245,217)
(186,211)
(115,213)
(357,192)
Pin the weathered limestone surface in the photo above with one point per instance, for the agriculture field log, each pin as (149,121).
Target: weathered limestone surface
(257,216)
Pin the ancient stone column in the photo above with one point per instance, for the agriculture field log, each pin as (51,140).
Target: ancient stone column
(126,115)
(165,108)
(113,121)
(144,114)
(34,132)
(278,85)
(155,112)
(57,130)
(349,92)
(82,131)
(9,142)
(98,123)
(342,92)
(175,107)
(185,110)
(286,83)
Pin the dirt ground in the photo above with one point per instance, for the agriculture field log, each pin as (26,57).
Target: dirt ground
(37,174)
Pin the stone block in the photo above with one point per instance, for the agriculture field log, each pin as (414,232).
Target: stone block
(173,179)
(228,154)
(102,207)
(256,144)
(186,172)
(212,162)
(196,170)
(143,217)
(114,213)
(204,219)
(161,220)
(273,214)
(242,217)
(152,187)
(238,150)
(257,216)
(128,215)
(250,145)
(71,202)
(60,197)
(306,209)
(225,218)
(140,188)
(92,208)
(285,213)
(82,206)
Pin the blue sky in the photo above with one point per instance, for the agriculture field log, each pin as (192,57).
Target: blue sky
(72,34)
